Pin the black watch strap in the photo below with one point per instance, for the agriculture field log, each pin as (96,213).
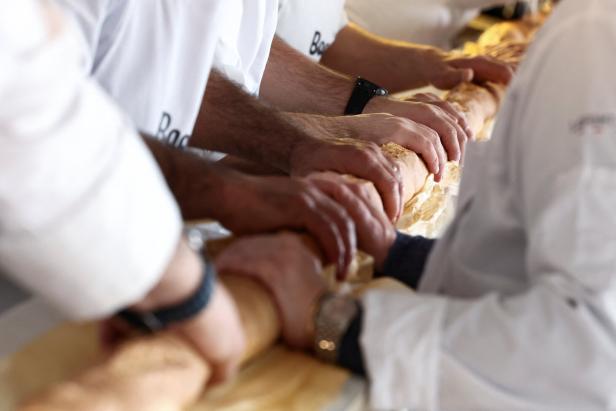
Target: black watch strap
(157,320)
(363,92)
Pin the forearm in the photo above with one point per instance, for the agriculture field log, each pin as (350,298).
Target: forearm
(195,183)
(359,53)
(236,123)
(249,167)
(294,83)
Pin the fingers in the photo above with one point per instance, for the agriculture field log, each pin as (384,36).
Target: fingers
(446,126)
(374,166)
(485,69)
(448,108)
(333,228)
(372,225)
(343,221)
(450,78)
(432,151)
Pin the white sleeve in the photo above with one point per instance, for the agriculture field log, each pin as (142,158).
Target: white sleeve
(92,17)
(86,220)
(553,346)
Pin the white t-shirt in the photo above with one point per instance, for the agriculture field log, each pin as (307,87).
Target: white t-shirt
(152,57)
(86,220)
(433,22)
(311,26)
(517,306)
(245,41)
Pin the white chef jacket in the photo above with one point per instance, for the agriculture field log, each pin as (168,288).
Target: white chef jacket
(517,309)
(432,22)
(245,41)
(311,26)
(152,57)
(86,221)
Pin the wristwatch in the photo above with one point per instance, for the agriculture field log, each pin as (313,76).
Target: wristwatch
(333,315)
(153,321)
(363,92)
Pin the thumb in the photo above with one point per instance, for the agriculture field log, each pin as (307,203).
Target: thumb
(452,77)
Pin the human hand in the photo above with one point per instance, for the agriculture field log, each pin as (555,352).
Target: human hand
(289,270)
(375,233)
(359,158)
(447,70)
(383,128)
(511,52)
(251,205)
(439,125)
(215,332)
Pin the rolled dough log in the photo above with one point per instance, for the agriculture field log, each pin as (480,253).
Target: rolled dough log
(163,373)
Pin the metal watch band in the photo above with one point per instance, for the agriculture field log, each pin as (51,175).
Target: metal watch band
(363,92)
(332,318)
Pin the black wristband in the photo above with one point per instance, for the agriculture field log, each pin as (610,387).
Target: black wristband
(157,320)
(363,92)
(407,259)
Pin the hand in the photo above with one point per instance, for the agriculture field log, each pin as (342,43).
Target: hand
(382,128)
(375,233)
(251,205)
(215,332)
(438,124)
(445,71)
(510,53)
(289,270)
(359,158)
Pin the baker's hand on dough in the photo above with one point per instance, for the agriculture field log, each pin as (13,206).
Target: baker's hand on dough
(215,332)
(265,204)
(359,158)
(439,124)
(451,70)
(383,128)
(375,233)
(288,269)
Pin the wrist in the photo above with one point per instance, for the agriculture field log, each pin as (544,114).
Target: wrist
(179,282)
(180,296)
(379,104)
(302,152)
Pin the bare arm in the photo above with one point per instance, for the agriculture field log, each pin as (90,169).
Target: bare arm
(292,82)
(247,204)
(236,123)
(400,66)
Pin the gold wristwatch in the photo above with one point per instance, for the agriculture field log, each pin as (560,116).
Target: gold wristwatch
(333,315)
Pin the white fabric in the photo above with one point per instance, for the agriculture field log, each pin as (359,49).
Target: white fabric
(85,218)
(517,309)
(433,22)
(152,57)
(311,26)
(244,46)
